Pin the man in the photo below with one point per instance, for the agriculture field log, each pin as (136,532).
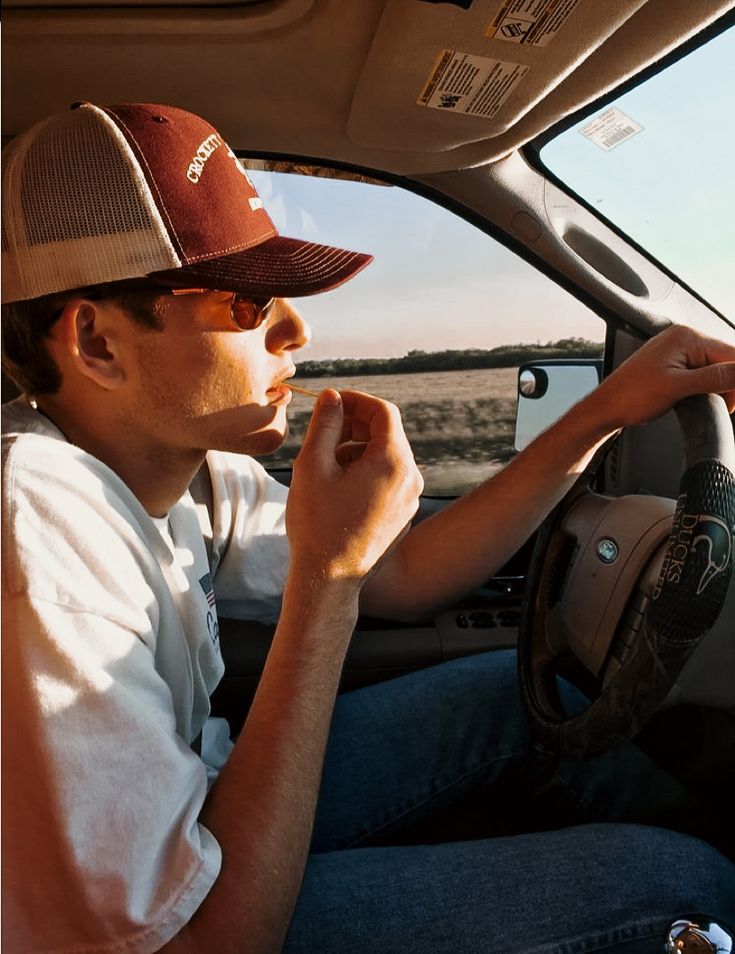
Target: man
(148,324)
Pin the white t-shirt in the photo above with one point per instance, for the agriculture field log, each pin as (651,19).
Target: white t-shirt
(111,651)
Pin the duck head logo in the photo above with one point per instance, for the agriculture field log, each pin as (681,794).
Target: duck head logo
(714,536)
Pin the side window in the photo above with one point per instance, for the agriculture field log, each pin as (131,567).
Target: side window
(438,323)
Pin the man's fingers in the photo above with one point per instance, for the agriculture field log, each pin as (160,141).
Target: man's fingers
(324,433)
(367,416)
(349,453)
(347,425)
(714,379)
(715,351)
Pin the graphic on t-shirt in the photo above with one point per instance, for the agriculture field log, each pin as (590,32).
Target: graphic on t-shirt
(212,623)
(206,584)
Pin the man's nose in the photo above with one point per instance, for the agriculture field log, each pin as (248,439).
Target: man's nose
(287,330)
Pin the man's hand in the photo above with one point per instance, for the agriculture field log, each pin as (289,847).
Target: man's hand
(675,364)
(355,487)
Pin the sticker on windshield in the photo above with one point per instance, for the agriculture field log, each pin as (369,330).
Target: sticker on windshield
(610,129)
(474,85)
(534,22)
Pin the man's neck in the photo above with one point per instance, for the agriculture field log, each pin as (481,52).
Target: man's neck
(158,476)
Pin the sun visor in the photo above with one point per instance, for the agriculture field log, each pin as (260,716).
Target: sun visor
(462,76)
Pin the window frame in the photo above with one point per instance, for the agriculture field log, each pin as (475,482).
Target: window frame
(465,212)
(532,150)
(348,171)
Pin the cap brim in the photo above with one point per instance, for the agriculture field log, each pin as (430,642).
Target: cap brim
(280,267)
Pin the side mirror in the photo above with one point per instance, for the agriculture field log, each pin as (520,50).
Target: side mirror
(547,389)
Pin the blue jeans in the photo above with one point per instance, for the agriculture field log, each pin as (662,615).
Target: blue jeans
(401,751)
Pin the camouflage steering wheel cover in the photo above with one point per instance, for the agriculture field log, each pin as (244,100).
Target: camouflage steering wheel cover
(699,555)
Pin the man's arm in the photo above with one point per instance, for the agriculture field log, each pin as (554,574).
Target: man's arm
(456,550)
(346,507)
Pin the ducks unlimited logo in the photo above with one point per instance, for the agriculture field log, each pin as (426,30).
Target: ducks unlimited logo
(695,533)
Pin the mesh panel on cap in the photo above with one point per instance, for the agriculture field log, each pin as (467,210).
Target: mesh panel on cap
(77,209)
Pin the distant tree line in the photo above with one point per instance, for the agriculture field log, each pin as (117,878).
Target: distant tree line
(467,359)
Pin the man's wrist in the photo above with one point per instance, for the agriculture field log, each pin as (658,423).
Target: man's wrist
(594,419)
(315,591)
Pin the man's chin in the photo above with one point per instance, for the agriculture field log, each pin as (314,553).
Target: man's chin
(261,443)
(268,442)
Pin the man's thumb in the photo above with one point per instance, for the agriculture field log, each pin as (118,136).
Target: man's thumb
(325,428)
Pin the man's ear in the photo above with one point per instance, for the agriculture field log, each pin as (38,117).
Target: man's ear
(90,334)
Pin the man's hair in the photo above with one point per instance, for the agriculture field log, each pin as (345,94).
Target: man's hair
(26,326)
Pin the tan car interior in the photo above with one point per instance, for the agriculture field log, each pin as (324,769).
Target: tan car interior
(356,82)
(329,78)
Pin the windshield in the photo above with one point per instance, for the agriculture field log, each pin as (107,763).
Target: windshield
(657,163)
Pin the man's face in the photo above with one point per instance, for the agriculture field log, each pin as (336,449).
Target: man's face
(202,383)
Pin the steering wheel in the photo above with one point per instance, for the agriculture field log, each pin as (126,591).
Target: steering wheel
(628,586)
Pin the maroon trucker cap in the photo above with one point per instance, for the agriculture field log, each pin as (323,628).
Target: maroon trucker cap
(100,194)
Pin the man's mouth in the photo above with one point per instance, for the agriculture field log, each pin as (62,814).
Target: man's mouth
(279,392)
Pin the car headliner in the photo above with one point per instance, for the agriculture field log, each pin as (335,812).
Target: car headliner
(329,78)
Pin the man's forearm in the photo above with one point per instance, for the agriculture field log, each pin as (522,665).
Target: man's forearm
(344,511)
(459,548)
(261,809)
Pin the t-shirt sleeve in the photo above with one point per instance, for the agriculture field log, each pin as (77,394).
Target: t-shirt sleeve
(103,848)
(249,545)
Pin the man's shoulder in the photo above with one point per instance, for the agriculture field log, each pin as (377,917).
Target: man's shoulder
(66,515)
(237,463)
(37,457)
(246,501)
(21,420)
(236,473)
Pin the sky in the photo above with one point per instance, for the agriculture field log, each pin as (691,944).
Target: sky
(438,282)
(671,185)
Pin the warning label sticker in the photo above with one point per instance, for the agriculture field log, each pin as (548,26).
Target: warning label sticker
(474,85)
(534,22)
(610,129)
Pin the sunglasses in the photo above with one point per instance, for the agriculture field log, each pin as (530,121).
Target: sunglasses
(247,312)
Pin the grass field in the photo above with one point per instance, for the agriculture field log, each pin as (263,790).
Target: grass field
(460,423)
